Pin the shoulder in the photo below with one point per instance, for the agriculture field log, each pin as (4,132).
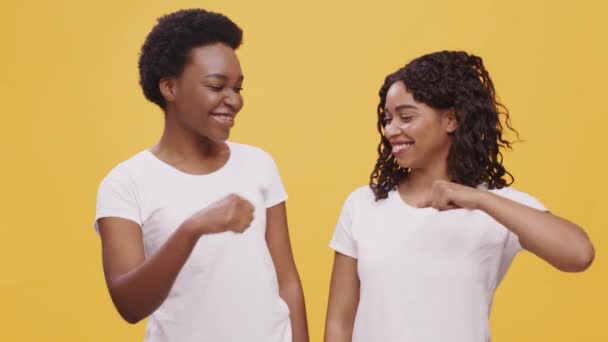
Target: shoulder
(249,152)
(253,158)
(509,192)
(126,170)
(361,196)
(519,196)
(363,193)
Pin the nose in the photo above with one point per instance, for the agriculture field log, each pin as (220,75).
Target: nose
(391,129)
(233,99)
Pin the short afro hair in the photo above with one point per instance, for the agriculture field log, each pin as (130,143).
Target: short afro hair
(167,47)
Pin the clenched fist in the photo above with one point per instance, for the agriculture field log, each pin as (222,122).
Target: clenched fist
(446,195)
(231,213)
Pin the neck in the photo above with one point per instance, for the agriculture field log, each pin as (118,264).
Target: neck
(423,179)
(178,145)
(419,182)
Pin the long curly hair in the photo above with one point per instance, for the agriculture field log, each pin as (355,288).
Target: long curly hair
(459,81)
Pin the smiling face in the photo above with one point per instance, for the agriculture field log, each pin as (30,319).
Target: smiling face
(206,97)
(419,134)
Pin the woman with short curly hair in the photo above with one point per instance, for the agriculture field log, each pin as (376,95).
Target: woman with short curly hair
(194,230)
(422,248)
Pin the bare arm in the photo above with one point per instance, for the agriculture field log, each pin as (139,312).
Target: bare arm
(290,288)
(558,241)
(138,286)
(343,299)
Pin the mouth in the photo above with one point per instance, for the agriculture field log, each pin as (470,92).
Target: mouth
(225,119)
(401,147)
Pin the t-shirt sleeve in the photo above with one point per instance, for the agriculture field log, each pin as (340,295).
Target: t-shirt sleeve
(273,189)
(117,197)
(513,245)
(528,200)
(342,240)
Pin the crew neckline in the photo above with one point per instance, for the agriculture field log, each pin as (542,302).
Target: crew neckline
(175,170)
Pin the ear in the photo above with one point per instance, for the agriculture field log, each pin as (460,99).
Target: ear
(167,88)
(450,120)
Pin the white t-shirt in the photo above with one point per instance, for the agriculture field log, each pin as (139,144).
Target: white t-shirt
(426,275)
(227,291)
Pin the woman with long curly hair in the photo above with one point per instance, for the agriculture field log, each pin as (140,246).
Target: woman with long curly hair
(422,249)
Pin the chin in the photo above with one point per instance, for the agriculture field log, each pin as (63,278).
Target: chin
(403,165)
(219,137)
(223,137)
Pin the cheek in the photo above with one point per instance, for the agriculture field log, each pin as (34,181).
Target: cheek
(427,136)
(438,141)
(207,97)
(194,96)
(414,130)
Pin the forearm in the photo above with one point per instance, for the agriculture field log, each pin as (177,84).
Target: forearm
(339,323)
(292,293)
(343,300)
(556,240)
(139,292)
(338,330)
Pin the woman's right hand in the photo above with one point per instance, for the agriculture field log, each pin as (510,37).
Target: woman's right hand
(139,285)
(231,213)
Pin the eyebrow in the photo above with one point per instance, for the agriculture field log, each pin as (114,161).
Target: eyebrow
(400,107)
(222,76)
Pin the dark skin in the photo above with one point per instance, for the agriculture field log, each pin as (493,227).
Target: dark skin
(420,139)
(201,105)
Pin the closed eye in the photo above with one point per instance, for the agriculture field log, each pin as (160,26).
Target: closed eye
(216,87)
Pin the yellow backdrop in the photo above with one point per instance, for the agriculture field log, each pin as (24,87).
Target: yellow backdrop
(73,109)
